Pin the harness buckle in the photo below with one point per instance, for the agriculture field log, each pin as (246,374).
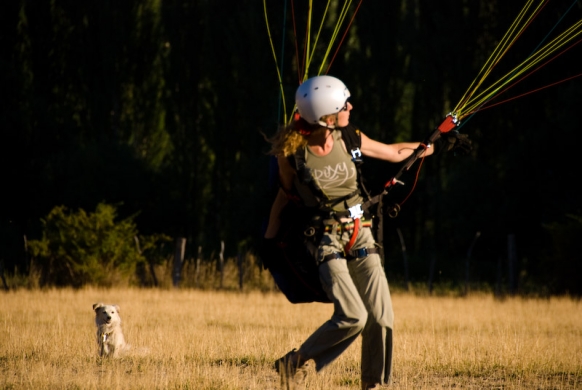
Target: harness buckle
(356,155)
(358,253)
(356,211)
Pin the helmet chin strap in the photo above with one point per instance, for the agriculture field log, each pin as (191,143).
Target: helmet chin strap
(302,127)
(326,125)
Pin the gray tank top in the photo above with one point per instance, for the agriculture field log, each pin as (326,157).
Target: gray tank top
(335,174)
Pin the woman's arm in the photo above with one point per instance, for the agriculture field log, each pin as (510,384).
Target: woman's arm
(274,221)
(390,152)
(286,176)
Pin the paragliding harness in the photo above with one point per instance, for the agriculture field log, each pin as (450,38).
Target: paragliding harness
(291,256)
(291,259)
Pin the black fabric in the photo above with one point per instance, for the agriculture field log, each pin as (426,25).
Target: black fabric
(351,137)
(290,257)
(455,142)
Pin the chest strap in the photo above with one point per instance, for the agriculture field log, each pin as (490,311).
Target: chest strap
(346,226)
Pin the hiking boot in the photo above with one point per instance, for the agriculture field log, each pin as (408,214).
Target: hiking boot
(292,369)
(370,386)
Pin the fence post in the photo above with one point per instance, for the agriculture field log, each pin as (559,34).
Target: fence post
(197,271)
(2,275)
(512,263)
(404,258)
(241,270)
(140,269)
(468,262)
(498,289)
(221,263)
(431,272)
(27,258)
(178,260)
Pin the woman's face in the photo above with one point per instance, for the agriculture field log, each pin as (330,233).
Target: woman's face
(343,117)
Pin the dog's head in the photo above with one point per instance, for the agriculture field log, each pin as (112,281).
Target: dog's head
(106,314)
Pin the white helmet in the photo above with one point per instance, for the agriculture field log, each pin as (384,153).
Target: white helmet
(319,96)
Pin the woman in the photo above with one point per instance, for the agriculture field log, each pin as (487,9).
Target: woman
(357,286)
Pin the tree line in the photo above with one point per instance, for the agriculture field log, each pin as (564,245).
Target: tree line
(162,108)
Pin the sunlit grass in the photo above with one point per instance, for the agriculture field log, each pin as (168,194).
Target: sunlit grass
(191,339)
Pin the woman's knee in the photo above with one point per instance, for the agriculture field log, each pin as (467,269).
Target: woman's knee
(353,319)
(358,322)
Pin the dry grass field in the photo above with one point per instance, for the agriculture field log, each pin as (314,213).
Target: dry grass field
(192,339)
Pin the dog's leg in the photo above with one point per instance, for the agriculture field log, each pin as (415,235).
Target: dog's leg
(104,344)
(103,340)
(100,343)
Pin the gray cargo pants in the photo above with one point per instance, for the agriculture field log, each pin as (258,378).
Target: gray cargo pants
(362,305)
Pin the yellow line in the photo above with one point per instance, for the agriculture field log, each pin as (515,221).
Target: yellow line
(508,39)
(310,48)
(527,65)
(276,62)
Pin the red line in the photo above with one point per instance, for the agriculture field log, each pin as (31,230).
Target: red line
(416,178)
(295,36)
(529,74)
(532,91)
(507,48)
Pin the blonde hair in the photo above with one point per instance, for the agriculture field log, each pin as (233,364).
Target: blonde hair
(294,136)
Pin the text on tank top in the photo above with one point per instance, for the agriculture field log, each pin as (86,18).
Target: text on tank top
(335,173)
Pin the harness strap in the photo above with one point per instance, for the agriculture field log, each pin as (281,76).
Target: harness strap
(347,226)
(352,139)
(362,252)
(355,233)
(351,254)
(332,256)
(337,201)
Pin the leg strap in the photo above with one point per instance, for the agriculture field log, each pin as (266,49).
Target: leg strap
(351,255)
(359,253)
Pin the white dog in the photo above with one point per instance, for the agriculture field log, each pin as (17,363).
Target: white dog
(109,335)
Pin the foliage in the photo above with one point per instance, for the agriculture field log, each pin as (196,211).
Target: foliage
(80,248)
(159,107)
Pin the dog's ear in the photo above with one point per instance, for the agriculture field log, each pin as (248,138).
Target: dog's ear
(97,306)
(116,308)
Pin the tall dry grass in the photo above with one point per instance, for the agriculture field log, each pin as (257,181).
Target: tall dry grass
(191,339)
